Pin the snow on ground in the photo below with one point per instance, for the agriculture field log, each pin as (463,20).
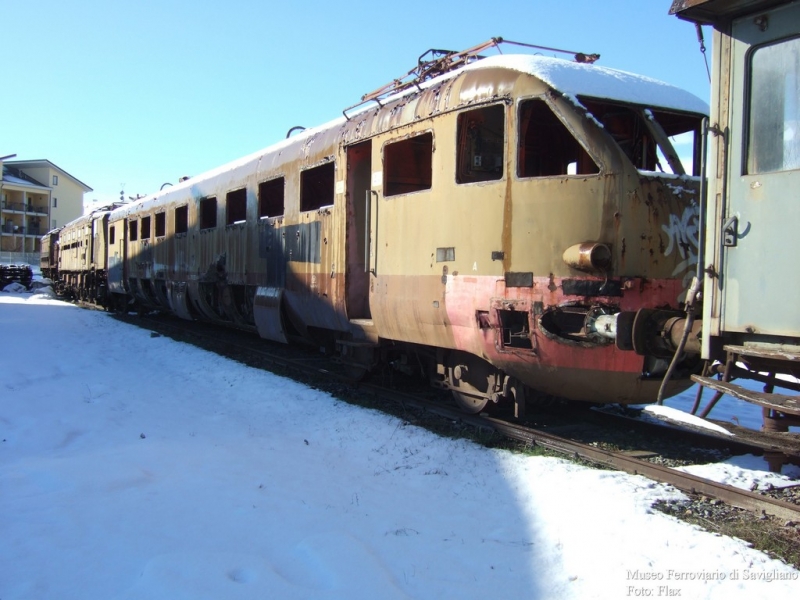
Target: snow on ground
(133,466)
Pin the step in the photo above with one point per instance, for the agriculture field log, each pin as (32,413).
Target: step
(771,352)
(780,402)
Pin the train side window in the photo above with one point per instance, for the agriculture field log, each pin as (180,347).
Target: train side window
(316,187)
(236,206)
(407,165)
(480,144)
(145,228)
(270,198)
(161,224)
(133,230)
(208,213)
(546,147)
(111,231)
(181,219)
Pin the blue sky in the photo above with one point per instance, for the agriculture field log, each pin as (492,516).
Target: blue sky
(130,95)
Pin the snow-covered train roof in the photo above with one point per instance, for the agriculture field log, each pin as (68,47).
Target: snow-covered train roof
(580,79)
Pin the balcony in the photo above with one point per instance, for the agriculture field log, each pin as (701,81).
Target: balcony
(14,229)
(19,207)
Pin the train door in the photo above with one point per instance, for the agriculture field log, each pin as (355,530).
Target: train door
(760,244)
(116,256)
(359,169)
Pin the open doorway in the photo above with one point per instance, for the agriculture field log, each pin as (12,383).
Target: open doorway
(359,173)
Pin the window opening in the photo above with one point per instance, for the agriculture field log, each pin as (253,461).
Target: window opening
(407,165)
(316,187)
(161,224)
(546,147)
(480,144)
(208,213)
(236,206)
(181,219)
(773,114)
(145,228)
(270,198)
(111,232)
(133,230)
(627,125)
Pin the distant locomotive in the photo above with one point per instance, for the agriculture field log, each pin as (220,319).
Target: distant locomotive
(751,287)
(504,224)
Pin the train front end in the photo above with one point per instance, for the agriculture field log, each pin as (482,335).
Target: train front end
(598,241)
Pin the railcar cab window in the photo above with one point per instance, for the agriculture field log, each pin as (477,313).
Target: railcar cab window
(145,228)
(316,187)
(407,165)
(181,219)
(133,230)
(773,132)
(480,144)
(546,147)
(236,207)
(208,213)
(270,198)
(637,132)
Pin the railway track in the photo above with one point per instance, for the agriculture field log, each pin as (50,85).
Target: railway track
(320,372)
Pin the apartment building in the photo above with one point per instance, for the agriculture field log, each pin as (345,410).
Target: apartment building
(35,197)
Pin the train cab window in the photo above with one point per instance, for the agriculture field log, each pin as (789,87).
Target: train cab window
(133,230)
(270,198)
(773,132)
(408,165)
(480,144)
(145,228)
(546,147)
(317,186)
(236,207)
(208,213)
(637,132)
(181,219)
(161,224)
(111,236)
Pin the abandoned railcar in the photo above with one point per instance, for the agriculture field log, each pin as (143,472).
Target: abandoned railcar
(517,223)
(750,320)
(77,257)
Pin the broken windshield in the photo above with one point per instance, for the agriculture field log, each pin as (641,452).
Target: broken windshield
(652,139)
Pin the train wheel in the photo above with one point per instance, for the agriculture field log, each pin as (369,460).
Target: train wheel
(470,404)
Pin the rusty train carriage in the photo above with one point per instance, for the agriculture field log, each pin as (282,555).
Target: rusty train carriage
(751,324)
(497,227)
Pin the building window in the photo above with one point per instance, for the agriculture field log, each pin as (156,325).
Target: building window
(208,213)
(182,219)
(480,144)
(55,202)
(270,198)
(316,187)
(236,207)
(161,224)
(55,179)
(408,165)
